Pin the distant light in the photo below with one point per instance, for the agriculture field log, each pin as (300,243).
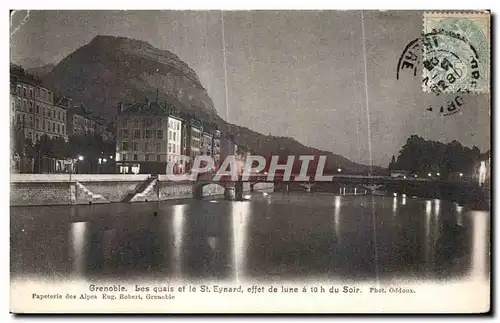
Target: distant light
(99,160)
(110,157)
(80,157)
(339,170)
(415,175)
(404,195)
(429,174)
(104,160)
(265,194)
(395,194)
(247,197)
(438,174)
(461,174)
(404,176)
(213,201)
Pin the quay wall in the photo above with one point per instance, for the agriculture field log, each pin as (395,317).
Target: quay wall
(71,189)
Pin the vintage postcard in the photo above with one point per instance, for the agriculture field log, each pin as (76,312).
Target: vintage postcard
(250,161)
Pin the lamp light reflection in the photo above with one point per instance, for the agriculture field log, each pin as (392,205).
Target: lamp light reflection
(479,245)
(78,230)
(336,216)
(240,212)
(178,228)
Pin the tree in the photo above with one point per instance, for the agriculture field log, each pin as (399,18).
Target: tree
(421,156)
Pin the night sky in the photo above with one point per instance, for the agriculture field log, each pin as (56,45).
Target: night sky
(289,73)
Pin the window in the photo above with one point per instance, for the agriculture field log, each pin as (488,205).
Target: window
(146,157)
(158,147)
(50,113)
(135,156)
(64,116)
(37,123)
(58,115)
(137,133)
(19,89)
(124,156)
(178,125)
(146,146)
(53,127)
(24,91)
(169,147)
(169,159)
(37,109)
(124,145)
(125,133)
(158,158)
(169,134)
(37,91)
(58,129)
(135,146)
(24,105)
(19,102)
(159,134)
(63,130)
(174,136)
(31,93)
(158,123)
(148,134)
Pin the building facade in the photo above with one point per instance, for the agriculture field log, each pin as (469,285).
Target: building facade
(149,138)
(33,110)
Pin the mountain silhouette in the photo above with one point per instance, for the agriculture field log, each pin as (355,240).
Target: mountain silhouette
(109,70)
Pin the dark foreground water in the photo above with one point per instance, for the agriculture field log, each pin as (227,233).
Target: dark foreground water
(274,236)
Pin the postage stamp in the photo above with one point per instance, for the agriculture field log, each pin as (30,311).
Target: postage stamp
(456,52)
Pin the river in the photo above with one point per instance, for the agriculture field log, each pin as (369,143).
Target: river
(267,237)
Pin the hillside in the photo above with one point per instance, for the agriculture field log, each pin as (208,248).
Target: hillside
(40,71)
(109,70)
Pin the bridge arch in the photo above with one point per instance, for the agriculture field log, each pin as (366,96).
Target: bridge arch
(201,189)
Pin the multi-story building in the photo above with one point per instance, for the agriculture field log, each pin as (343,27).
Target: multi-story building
(195,135)
(33,109)
(147,137)
(207,144)
(216,147)
(174,139)
(80,121)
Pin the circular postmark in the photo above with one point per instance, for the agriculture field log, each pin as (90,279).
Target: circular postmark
(450,63)
(435,56)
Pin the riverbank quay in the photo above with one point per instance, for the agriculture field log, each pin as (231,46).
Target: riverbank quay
(77,189)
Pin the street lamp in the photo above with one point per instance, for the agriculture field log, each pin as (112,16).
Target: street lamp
(437,174)
(416,175)
(80,158)
(339,170)
(429,174)
(461,174)
(104,160)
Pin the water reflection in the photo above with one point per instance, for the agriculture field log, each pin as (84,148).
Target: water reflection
(240,216)
(178,227)
(271,235)
(480,248)
(79,245)
(336,216)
